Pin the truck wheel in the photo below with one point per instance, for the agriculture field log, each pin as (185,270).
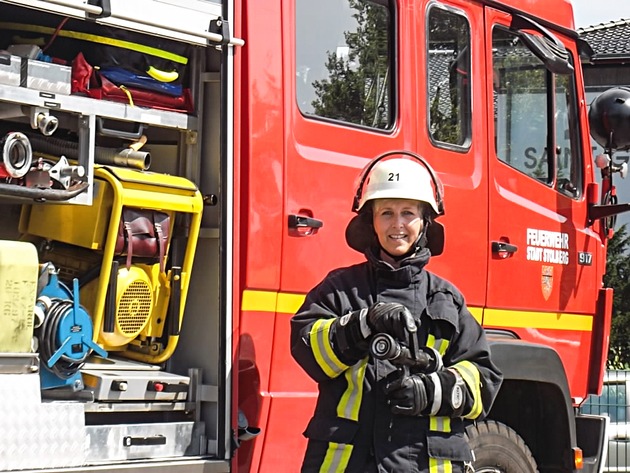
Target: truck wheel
(499,449)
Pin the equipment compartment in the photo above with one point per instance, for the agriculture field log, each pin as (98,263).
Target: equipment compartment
(72,75)
(122,363)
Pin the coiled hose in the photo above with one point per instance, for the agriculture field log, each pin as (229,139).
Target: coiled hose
(65,367)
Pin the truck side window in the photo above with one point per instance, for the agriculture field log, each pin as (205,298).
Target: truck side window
(523,100)
(569,173)
(448,57)
(344,61)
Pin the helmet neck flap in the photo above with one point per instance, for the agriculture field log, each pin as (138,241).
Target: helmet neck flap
(360,235)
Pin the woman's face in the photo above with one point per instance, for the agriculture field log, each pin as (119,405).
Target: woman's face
(397,223)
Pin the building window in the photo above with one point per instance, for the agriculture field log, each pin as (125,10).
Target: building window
(534,111)
(344,61)
(448,76)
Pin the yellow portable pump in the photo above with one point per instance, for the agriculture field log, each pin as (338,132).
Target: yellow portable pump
(136,294)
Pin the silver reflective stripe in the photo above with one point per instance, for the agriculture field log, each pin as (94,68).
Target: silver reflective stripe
(366,331)
(337,458)
(322,349)
(350,402)
(437,394)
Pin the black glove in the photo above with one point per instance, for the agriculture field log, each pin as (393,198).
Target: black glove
(407,395)
(392,318)
(448,394)
(349,336)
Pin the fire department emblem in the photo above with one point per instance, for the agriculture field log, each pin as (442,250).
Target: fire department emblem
(546,281)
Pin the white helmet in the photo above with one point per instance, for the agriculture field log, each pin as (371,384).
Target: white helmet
(396,175)
(400,178)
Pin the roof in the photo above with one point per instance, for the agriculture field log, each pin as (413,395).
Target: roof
(608,40)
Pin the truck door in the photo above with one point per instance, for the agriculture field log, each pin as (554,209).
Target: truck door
(339,112)
(451,129)
(541,247)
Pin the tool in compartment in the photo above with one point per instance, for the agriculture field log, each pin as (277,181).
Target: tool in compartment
(136,302)
(131,156)
(135,291)
(17,155)
(65,335)
(40,118)
(40,179)
(117,379)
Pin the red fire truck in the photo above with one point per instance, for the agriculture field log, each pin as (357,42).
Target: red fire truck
(178,174)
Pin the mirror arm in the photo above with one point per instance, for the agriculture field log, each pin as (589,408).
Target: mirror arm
(596,211)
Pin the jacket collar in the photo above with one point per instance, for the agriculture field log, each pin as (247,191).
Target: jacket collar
(410,268)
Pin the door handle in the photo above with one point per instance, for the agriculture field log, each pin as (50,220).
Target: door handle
(300,225)
(503,249)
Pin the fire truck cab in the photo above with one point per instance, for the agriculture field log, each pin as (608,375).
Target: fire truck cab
(177,175)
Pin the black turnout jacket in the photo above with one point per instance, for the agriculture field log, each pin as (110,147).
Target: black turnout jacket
(353,429)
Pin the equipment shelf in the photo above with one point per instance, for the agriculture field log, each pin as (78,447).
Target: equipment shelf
(102,108)
(87,111)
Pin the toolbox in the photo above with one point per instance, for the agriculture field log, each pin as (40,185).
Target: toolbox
(10,69)
(45,76)
(113,380)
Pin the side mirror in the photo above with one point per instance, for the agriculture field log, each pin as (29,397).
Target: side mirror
(609,121)
(547,47)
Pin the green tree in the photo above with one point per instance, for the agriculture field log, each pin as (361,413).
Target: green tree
(358,87)
(618,277)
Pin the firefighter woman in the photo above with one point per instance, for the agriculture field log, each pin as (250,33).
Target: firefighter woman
(375,414)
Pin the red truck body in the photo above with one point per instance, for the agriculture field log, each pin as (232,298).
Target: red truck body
(254,164)
(294,164)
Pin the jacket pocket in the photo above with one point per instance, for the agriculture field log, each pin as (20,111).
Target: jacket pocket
(448,446)
(443,307)
(336,430)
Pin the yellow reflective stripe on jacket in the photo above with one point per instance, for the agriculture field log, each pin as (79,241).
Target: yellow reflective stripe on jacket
(440,424)
(337,457)
(439,465)
(350,402)
(470,374)
(322,349)
(440,344)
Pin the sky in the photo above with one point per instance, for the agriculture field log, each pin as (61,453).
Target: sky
(592,12)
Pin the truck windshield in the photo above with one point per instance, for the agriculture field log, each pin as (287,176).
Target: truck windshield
(531,104)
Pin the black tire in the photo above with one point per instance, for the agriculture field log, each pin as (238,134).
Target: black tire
(499,449)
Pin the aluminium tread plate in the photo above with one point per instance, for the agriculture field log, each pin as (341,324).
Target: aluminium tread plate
(50,435)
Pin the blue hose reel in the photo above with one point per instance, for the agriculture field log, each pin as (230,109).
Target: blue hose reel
(64,336)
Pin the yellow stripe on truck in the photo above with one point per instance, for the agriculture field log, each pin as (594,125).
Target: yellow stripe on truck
(540,320)
(287,303)
(259,301)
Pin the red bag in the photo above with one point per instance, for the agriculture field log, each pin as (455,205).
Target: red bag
(143,233)
(86,80)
